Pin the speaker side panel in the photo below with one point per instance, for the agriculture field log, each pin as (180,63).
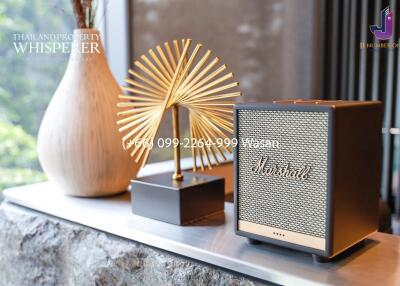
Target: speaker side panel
(357,171)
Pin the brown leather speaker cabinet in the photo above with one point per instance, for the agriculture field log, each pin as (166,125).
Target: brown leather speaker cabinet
(307,173)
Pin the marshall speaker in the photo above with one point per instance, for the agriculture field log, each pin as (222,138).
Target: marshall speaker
(307,173)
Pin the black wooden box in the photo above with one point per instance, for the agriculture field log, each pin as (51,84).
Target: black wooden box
(177,202)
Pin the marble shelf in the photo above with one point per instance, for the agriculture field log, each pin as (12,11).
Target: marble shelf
(213,241)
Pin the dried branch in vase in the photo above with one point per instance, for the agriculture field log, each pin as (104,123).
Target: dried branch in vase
(84,12)
(78,13)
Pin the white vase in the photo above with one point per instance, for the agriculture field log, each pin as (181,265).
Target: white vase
(79,145)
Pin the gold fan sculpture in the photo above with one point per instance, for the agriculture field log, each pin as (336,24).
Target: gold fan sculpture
(173,78)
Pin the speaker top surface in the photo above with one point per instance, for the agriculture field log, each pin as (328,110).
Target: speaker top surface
(304,103)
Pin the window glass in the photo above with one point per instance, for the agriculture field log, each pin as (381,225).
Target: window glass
(268,45)
(27,82)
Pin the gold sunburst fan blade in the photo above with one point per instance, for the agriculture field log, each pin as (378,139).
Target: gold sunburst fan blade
(172,75)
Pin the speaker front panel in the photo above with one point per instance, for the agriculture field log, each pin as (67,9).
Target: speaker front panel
(282,161)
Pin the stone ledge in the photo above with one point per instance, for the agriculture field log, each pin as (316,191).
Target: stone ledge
(38,249)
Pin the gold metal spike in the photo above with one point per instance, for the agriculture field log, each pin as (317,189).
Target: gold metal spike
(173,78)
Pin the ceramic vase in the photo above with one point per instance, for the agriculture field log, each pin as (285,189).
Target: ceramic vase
(79,145)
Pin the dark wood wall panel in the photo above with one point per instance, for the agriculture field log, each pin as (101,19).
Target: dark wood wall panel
(355,73)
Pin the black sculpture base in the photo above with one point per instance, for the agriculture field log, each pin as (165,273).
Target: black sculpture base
(177,202)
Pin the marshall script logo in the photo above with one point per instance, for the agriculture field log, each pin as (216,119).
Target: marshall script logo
(285,171)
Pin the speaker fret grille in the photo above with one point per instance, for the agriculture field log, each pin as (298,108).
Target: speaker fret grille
(285,203)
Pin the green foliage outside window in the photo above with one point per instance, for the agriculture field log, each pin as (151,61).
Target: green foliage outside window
(27,82)
(19,159)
